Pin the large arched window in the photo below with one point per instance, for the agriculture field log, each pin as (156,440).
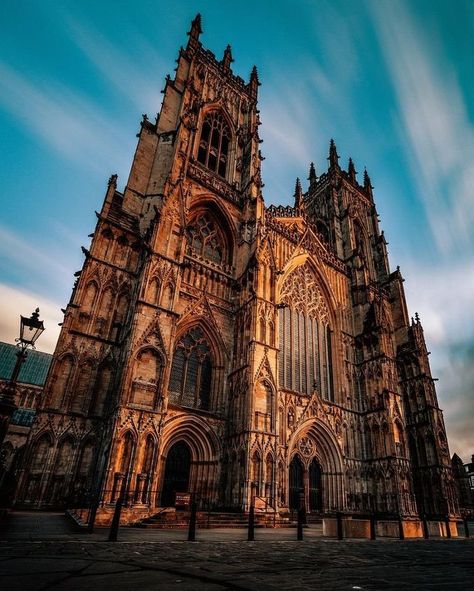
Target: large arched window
(191,372)
(214,143)
(305,336)
(204,239)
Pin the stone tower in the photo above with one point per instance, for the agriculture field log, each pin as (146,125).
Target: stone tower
(215,346)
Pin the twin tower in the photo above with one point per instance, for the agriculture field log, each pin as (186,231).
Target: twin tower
(216,346)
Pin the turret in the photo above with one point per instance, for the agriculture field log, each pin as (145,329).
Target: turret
(254,82)
(298,197)
(333,155)
(194,32)
(367,185)
(352,171)
(312,178)
(227,58)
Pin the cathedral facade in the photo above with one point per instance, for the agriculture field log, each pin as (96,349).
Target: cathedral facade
(238,352)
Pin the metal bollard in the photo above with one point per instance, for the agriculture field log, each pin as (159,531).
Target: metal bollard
(340,531)
(401,533)
(192,524)
(466,528)
(373,527)
(301,520)
(91,522)
(115,521)
(448,527)
(426,531)
(251,532)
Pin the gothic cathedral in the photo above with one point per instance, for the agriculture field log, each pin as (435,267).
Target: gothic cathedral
(238,352)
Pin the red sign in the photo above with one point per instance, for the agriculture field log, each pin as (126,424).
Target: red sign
(182,499)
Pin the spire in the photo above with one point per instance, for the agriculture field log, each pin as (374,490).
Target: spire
(351,170)
(312,178)
(254,82)
(195,31)
(227,59)
(298,196)
(367,184)
(333,155)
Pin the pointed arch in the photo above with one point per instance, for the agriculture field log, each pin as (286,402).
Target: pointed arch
(202,440)
(216,140)
(168,295)
(191,370)
(79,398)
(89,299)
(62,381)
(305,334)
(208,207)
(40,452)
(146,375)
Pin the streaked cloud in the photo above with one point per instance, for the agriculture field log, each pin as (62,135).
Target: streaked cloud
(68,122)
(126,67)
(44,266)
(435,122)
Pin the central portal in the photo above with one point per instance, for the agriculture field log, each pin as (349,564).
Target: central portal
(305,485)
(176,479)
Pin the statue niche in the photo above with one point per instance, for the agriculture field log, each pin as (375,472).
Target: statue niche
(146,374)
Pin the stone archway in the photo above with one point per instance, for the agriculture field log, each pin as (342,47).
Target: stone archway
(190,441)
(316,448)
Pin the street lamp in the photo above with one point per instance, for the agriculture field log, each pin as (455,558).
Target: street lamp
(30,330)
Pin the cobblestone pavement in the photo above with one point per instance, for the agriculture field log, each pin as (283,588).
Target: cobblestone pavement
(42,551)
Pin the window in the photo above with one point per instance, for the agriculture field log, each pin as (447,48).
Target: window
(214,143)
(23,417)
(191,372)
(204,239)
(305,336)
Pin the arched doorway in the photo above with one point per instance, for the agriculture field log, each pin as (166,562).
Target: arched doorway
(177,468)
(315,487)
(296,483)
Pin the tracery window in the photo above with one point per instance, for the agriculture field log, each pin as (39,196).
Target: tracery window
(214,143)
(191,372)
(305,336)
(204,239)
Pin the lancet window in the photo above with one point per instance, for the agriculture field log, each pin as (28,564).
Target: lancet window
(191,372)
(305,336)
(204,239)
(214,143)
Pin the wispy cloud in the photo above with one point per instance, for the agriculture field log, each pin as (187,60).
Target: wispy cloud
(128,75)
(14,301)
(50,268)
(68,122)
(436,124)
(19,252)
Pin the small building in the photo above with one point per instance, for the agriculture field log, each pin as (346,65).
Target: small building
(28,392)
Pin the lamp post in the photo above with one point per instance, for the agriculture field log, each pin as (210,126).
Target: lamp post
(30,329)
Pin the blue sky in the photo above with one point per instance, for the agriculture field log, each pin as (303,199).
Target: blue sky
(391,80)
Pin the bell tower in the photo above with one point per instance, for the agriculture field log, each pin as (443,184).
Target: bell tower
(195,191)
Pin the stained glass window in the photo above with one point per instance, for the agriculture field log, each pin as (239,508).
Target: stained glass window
(191,372)
(305,336)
